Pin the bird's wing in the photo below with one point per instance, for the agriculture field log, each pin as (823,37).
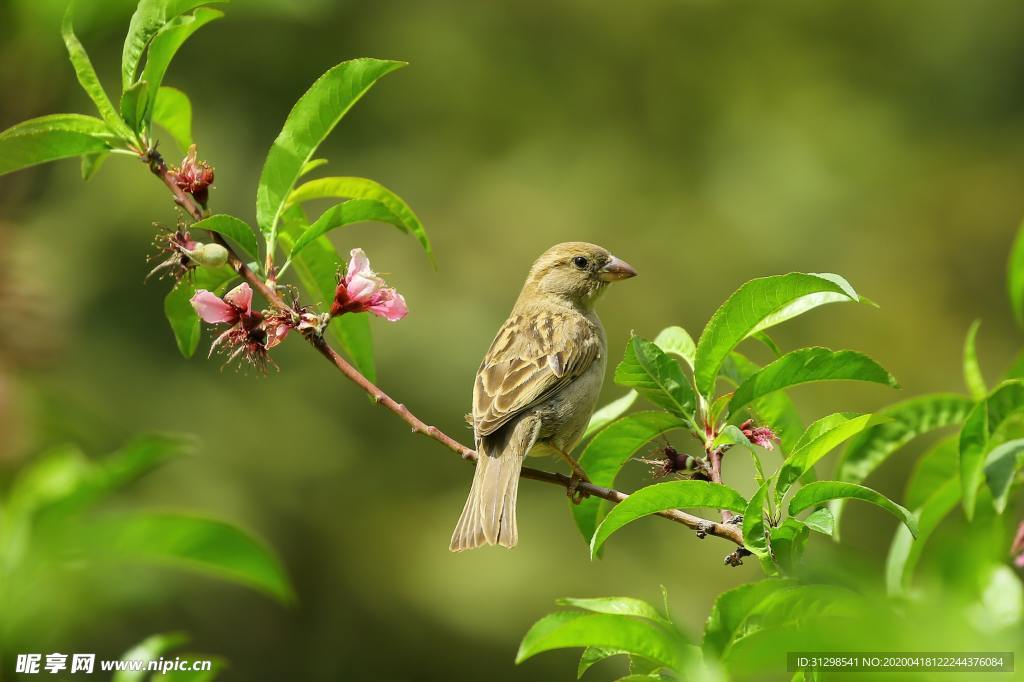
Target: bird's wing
(532,357)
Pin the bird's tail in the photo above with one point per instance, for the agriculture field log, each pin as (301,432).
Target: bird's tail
(489,517)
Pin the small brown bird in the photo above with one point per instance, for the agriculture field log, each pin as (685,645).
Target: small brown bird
(537,385)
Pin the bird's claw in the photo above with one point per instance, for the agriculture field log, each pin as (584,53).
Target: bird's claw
(573,491)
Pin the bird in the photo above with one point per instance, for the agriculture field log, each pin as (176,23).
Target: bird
(537,385)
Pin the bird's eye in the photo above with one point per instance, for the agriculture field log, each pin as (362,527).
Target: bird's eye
(580,262)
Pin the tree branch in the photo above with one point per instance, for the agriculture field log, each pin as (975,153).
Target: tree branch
(702,526)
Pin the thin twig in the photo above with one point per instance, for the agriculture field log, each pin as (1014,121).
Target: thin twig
(703,526)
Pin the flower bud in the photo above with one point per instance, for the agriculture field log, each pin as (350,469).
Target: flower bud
(209,255)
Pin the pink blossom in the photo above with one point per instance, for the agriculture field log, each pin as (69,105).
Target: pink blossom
(362,290)
(762,436)
(193,176)
(247,337)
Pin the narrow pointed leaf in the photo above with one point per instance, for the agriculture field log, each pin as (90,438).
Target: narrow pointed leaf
(233,228)
(164,46)
(362,188)
(656,376)
(133,105)
(820,444)
(1001,467)
(606,454)
(88,80)
(757,305)
(732,607)
(815,493)
(906,421)
(973,377)
(809,365)
(308,168)
(906,549)
(205,545)
(346,213)
(663,496)
(1015,276)
(172,111)
(676,341)
(754,529)
(626,606)
(604,416)
(979,426)
(91,164)
(571,629)
(310,121)
(150,16)
(774,410)
(53,137)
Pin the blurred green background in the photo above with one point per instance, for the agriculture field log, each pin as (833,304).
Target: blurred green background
(704,142)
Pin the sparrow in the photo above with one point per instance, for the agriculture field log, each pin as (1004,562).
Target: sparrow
(538,384)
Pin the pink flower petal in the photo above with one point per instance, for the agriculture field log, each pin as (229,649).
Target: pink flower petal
(241,298)
(211,309)
(390,305)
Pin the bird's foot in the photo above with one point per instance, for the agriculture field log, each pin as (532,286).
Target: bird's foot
(573,491)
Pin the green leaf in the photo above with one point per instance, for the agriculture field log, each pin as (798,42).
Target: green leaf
(609,413)
(676,341)
(149,649)
(979,426)
(664,496)
(758,305)
(826,434)
(788,543)
(973,377)
(48,479)
(233,228)
(206,545)
(101,478)
(1001,467)
(596,654)
(150,16)
(625,606)
(906,549)
(181,315)
(906,420)
(91,164)
(639,637)
(164,46)
(754,529)
(821,521)
(310,121)
(809,365)
(815,493)
(317,268)
(361,188)
(768,342)
(606,454)
(133,105)
(775,409)
(88,80)
(938,465)
(49,138)
(656,377)
(347,213)
(732,607)
(172,111)
(308,168)
(1015,276)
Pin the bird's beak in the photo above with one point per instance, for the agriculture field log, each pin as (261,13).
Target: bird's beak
(616,269)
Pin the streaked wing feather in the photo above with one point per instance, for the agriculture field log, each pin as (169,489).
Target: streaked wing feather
(531,358)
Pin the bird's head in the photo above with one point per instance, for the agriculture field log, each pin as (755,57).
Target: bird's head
(577,272)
